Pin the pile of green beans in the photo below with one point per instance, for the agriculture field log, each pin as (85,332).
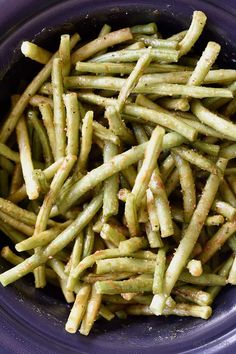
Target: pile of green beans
(118,175)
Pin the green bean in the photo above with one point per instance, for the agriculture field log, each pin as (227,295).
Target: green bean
(38,100)
(26,159)
(17,179)
(214,220)
(187,186)
(230,109)
(145,87)
(8,153)
(101,43)
(224,209)
(130,175)
(34,52)
(195,158)
(106,313)
(118,299)
(206,279)
(127,55)
(98,100)
(193,230)
(228,152)
(135,45)
(224,272)
(131,215)
(18,225)
(185,77)
(193,33)
(140,133)
(77,225)
(159,271)
(89,261)
(209,149)
(203,312)
(111,234)
(78,309)
(102,172)
(202,128)
(58,267)
(104,30)
(162,204)
(136,285)
(154,237)
(125,68)
(160,116)
(142,213)
(176,104)
(117,125)
(41,181)
(64,54)
(58,108)
(37,150)
(91,312)
(232,243)
(232,273)
(217,241)
(148,255)
(41,239)
(47,116)
(178,36)
(226,193)
(167,167)
(216,103)
(49,172)
(172,182)
(68,295)
(230,171)
(31,89)
(93,278)
(213,120)
(232,183)
(151,155)
(76,256)
(152,211)
(133,79)
(14,235)
(10,256)
(43,138)
(204,64)
(104,134)
(98,224)
(156,42)
(190,293)
(149,28)
(86,141)
(132,245)
(57,182)
(124,264)
(72,123)
(88,241)
(111,184)
(56,245)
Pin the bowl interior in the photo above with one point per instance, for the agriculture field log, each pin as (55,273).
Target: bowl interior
(38,316)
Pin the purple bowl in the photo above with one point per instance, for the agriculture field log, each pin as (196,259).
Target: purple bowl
(32,321)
